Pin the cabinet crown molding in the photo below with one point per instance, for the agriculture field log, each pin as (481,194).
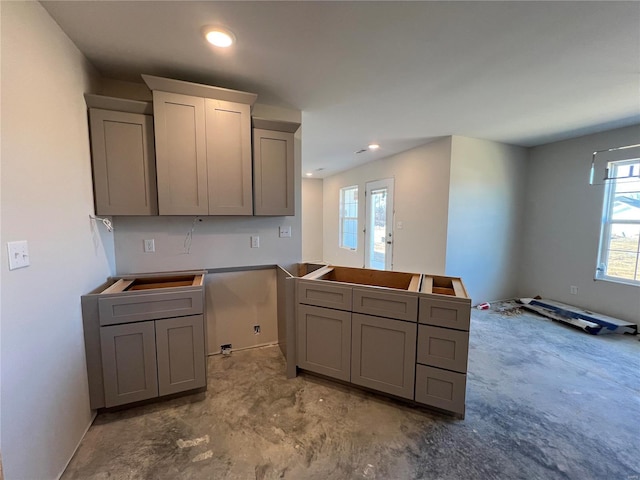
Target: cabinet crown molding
(198,90)
(277,125)
(118,104)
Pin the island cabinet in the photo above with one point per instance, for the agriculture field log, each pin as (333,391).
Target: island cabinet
(273,167)
(122,156)
(203,148)
(145,338)
(409,333)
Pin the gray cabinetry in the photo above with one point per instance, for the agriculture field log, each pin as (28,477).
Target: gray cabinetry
(181,154)
(324,341)
(273,167)
(325,295)
(180,351)
(441,388)
(203,143)
(382,303)
(144,337)
(383,354)
(123,157)
(409,332)
(129,363)
(228,127)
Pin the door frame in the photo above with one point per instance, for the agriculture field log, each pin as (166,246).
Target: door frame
(369,187)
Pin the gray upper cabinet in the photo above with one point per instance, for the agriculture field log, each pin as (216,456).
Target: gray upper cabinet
(203,148)
(123,156)
(273,167)
(181,154)
(229,157)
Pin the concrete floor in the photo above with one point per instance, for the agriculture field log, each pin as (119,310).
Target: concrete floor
(544,401)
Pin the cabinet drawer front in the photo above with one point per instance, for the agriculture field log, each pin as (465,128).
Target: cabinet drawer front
(441,388)
(180,353)
(383,354)
(442,347)
(324,341)
(373,301)
(129,363)
(322,294)
(135,308)
(444,313)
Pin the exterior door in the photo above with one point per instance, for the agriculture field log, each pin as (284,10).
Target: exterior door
(378,235)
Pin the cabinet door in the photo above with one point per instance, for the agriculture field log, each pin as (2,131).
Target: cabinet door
(383,354)
(129,363)
(273,176)
(181,354)
(228,130)
(324,341)
(123,157)
(181,154)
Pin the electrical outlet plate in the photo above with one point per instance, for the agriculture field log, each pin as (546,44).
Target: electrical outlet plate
(573,290)
(285,232)
(18,254)
(255,241)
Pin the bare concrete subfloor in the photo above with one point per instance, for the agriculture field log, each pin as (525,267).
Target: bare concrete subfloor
(543,402)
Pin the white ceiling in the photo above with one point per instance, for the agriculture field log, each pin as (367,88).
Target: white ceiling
(395,73)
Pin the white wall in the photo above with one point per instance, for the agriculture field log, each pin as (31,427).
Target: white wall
(486,199)
(46,200)
(312,219)
(562,227)
(421,194)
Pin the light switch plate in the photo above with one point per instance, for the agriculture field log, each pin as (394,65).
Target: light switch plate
(285,232)
(18,254)
(149,245)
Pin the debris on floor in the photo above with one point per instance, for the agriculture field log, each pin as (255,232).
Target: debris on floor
(508,308)
(590,322)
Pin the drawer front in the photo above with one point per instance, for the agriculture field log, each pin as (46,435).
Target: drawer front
(324,341)
(383,354)
(323,294)
(441,388)
(373,301)
(151,306)
(442,347)
(444,313)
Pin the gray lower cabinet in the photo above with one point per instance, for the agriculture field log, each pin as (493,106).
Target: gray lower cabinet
(324,341)
(383,354)
(180,353)
(443,348)
(129,362)
(441,388)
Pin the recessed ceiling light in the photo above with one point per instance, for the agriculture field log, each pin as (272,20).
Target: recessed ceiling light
(219,37)
(309,174)
(374,146)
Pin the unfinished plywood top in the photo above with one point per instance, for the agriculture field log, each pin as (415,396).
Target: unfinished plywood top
(451,287)
(147,282)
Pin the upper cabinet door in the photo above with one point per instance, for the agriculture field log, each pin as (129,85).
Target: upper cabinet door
(123,157)
(181,154)
(274,166)
(228,126)
(273,172)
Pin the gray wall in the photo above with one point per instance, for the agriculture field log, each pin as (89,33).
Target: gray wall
(486,199)
(421,197)
(312,219)
(46,200)
(562,227)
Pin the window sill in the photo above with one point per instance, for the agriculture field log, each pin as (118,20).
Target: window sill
(621,281)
